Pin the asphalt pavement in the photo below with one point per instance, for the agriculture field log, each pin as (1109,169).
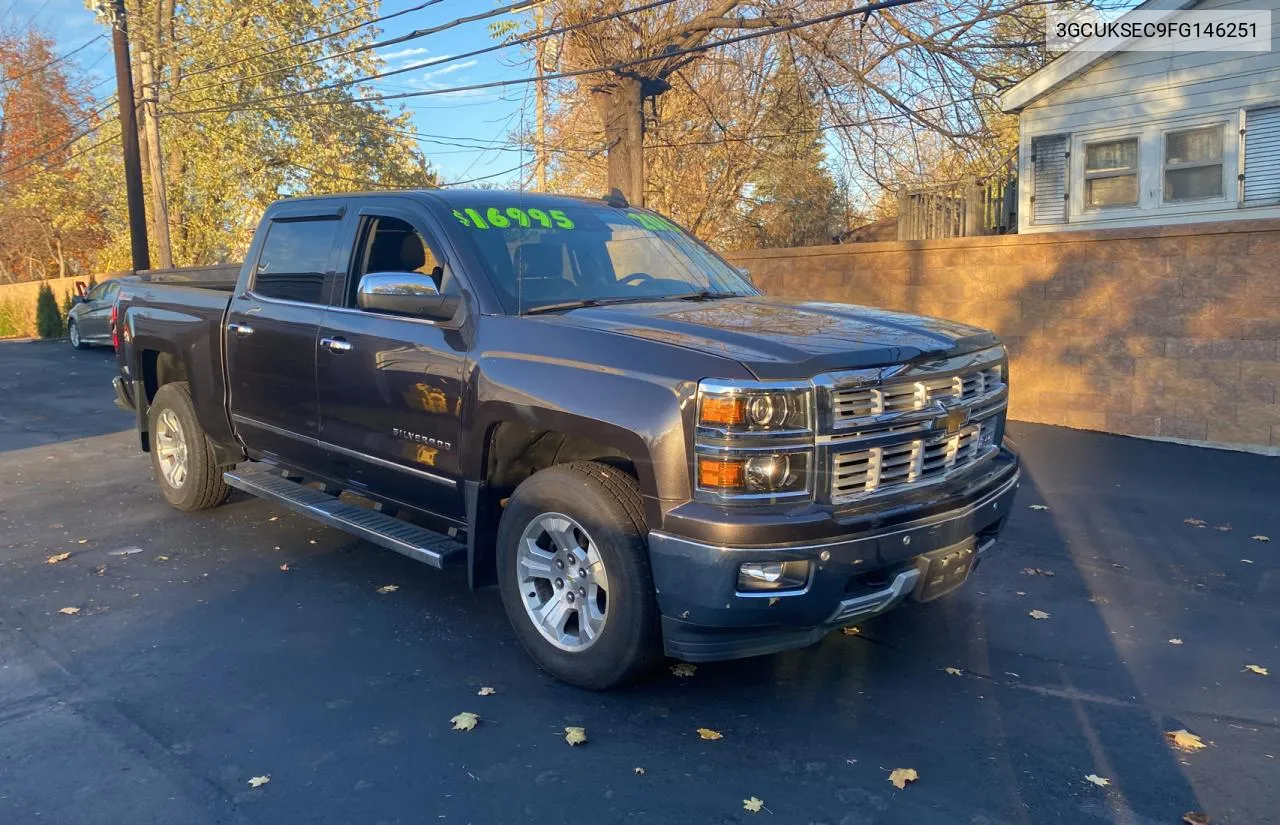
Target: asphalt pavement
(245,641)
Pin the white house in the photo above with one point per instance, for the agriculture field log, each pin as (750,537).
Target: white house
(1129,138)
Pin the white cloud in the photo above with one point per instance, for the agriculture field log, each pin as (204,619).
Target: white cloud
(404,53)
(466,64)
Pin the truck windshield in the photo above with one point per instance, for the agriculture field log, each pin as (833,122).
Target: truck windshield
(543,259)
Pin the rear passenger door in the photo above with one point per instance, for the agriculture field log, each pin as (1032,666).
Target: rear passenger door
(391,386)
(272,328)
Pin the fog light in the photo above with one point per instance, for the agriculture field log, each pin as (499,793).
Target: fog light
(773,575)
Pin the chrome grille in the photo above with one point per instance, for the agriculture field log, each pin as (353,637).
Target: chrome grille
(916,462)
(853,403)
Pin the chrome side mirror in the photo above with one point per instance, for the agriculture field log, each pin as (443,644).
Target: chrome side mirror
(405,293)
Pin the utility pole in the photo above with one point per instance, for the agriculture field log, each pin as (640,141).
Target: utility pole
(540,104)
(155,160)
(113,13)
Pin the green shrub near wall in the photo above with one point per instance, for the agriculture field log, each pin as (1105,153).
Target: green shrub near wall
(48,317)
(15,318)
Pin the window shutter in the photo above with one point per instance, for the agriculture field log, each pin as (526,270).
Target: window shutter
(1262,155)
(1049,168)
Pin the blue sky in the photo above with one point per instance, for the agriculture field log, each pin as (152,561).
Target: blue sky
(480,118)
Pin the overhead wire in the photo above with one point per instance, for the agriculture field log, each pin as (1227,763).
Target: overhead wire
(53,62)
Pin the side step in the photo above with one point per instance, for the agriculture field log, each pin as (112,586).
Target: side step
(408,539)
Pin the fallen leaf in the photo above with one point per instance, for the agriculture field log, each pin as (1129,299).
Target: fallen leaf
(684,669)
(1175,641)
(1038,614)
(1036,571)
(388,588)
(753,804)
(1258,669)
(1246,561)
(1098,780)
(69,611)
(1185,740)
(1020,592)
(273,518)
(901,776)
(123,551)
(638,770)
(1223,528)
(708,733)
(284,567)
(1195,818)
(58,558)
(101,570)
(850,631)
(465,721)
(82,541)
(259,781)
(486,691)
(162,558)
(1260,538)
(955,671)
(575,736)
(1037,507)
(1194,522)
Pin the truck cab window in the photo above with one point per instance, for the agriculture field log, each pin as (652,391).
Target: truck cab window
(392,245)
(294,258)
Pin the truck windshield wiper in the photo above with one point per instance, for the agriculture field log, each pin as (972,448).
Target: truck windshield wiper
(589,302)
(706,295)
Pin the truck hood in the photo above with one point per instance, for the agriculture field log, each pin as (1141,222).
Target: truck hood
(784,339)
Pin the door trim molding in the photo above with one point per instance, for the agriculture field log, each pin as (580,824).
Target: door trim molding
(325,445)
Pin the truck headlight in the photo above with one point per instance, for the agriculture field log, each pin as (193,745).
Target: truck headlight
(755,441)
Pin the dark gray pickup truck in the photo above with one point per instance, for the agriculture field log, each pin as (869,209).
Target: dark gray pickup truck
(585,406)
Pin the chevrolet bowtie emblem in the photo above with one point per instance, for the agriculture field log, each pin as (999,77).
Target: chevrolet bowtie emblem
(956,418)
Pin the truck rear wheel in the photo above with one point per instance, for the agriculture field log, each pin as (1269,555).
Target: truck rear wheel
(184,466)
(573,569)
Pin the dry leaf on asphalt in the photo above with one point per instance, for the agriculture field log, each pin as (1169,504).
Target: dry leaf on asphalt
(955,671)
(1037,507)
(259,781)
(575,736)
(1175,641)
(753,804)
(1101,782)
(1194,522)
(1185,740)
(850,631)
(162,558)
(684,669)
(1261,538)
(388,588)
(1195,818)
(1038,614)
(58,558)
(638,770)
(1036,571)
(1223,528)
(901,776)
(69,611)
(486,691)
(465,721)
(708,733)
(1258,669)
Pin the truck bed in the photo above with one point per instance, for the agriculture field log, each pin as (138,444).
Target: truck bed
(221,277)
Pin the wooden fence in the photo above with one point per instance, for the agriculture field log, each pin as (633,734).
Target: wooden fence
(960,210)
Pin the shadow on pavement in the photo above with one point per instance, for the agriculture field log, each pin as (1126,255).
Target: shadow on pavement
(53,405)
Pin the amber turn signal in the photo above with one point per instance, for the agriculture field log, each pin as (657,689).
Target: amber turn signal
(721,474)
(726,411)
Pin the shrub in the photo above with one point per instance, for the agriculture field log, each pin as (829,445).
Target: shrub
(48,318)
(14,320)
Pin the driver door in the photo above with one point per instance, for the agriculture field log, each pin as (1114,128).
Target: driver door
(390,385)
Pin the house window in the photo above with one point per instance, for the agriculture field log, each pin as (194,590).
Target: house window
(1193,164)
(1111,173)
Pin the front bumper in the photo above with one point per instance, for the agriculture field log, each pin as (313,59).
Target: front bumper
(853,577)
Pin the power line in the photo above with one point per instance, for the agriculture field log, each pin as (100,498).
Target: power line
(55,150)
(347,13)
(614,67)
(404,38)
(39,69)
(78,153)
(452,58)
(487,177)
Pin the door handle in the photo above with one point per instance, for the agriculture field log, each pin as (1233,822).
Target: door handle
(336,344)
(239,329)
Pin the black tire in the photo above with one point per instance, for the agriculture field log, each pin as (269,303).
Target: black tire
(203,486)
(74,338)
(606,502)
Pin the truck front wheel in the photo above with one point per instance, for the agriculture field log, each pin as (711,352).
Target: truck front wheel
(573,569)
(185,469)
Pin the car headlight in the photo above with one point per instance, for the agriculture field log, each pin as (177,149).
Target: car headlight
(754,441)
